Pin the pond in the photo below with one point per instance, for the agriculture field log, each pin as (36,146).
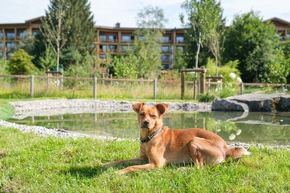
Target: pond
(253,127)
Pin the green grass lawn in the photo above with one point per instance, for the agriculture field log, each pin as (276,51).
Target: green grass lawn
(30,163)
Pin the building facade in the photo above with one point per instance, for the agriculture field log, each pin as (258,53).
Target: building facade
(114,40)
(11,35)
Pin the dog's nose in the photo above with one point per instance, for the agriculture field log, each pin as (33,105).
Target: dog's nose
(146,122)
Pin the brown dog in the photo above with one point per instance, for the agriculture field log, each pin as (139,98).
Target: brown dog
(161,145)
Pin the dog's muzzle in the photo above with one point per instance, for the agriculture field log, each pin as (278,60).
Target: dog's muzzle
(145,124)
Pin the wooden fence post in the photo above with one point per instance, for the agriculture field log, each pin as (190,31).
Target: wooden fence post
(61,82)
(155,88)
(182,84)
(31,86)
(95,86)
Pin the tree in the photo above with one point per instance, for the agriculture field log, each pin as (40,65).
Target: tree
(147,44)
(20,63)
(47,60)
(202,28)
(53,27)
(179,61)
(126,66)
(68,26)
(253,43)
(81,32)
(278,70)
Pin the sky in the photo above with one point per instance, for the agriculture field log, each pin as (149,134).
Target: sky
(109,12)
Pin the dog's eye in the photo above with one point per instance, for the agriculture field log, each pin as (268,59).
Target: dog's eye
(142,114)
(153,116)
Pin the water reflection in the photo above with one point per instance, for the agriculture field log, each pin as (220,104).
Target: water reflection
(266,128)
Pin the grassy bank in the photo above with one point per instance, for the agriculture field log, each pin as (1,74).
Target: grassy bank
(30,163)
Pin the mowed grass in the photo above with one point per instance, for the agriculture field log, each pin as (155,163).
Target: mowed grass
(30,163)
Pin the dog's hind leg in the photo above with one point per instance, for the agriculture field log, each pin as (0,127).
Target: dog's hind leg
(203,152)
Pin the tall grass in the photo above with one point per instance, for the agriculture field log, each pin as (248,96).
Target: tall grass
(83,88)
(114,88)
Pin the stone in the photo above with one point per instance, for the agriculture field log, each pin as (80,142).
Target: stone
(253,103)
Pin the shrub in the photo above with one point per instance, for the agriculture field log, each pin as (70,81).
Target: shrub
(205,97)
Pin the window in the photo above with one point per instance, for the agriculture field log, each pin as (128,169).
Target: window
(125,48)
(9,54)
(112,38)
(103,48)
(181,48)
(1,55)
(10,35)
(1,45)
(10,45)
(166,39)
(179,39)
(141,38)
(112,47)
(103,38)
(23,34)
(165,57)
(1,35)
(165,66)
(35,33)
(165,48)
(103,56)
(127,38)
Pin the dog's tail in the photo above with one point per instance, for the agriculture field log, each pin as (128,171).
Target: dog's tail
(236,152)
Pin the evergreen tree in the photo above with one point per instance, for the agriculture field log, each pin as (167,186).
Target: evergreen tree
(68,25)
(82,32)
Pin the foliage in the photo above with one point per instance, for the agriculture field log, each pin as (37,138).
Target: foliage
(20,63)
(179,60)
(68,24)
(47,60)
(82,30)
(126,66)
(81,65)
(147,44)
(202,28)
(230,83)
(224,71)
(285,46)
(205,97)
(3,66)
(252,42)
(278,70)
(54,27)
(27,43)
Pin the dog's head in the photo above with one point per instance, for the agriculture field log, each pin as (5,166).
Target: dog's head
(150,117)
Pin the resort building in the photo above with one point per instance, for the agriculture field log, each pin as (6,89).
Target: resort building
(117,39)
(282,27)
(114,40)
(11,35)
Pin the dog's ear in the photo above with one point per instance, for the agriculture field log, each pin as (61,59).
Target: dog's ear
(162,108)
(137,106)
